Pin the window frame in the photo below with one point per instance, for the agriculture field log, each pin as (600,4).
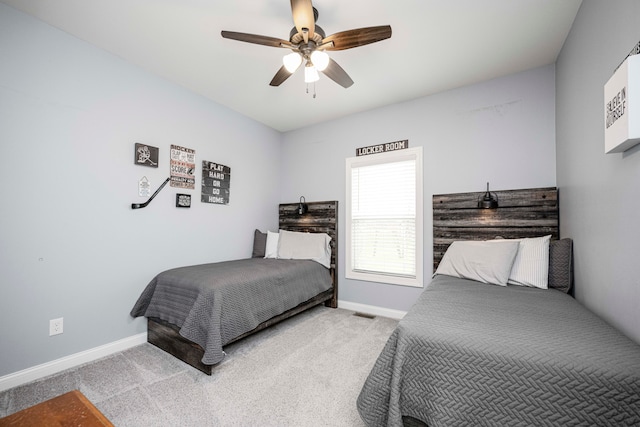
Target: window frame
(381,158)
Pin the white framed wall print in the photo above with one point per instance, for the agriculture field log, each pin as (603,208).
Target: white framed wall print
(622,107)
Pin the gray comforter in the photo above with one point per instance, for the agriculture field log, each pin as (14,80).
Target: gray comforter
(471,354)
(214,303)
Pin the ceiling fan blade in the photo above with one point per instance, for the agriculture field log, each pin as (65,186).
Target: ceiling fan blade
(256,39)
(303,17)
(337,74)
(282,75)
(359,37)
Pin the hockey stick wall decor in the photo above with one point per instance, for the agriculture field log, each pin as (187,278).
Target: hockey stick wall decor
(143,205)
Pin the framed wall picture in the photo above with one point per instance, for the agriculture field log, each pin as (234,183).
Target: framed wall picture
(183,200)
(145,155)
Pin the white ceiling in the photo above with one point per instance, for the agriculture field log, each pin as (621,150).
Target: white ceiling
(436,45)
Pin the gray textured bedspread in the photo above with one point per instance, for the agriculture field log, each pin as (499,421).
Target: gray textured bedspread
(215,303)
(472,354)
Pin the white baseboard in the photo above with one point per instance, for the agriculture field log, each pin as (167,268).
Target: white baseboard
(372,309)
(40,371)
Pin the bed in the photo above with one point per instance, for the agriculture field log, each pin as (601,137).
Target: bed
(194,311)
(477,349)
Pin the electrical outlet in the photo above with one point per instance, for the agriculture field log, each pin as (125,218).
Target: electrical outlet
(55,326)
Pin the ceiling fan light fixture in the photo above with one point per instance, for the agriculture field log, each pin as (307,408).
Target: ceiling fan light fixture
(310,73)
(292,61)
(307,40)
(320,60)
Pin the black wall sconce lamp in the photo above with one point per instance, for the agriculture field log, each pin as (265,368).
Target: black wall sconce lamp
(302,206)
(489,200)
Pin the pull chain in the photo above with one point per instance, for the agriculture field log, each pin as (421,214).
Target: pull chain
(314,89)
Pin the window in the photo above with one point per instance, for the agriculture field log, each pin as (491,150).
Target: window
(384,217)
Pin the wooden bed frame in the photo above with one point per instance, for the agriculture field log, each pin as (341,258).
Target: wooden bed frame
(520,213)
(322,217)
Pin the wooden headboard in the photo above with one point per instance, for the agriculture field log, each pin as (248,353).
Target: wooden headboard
(521,213)
(322,217)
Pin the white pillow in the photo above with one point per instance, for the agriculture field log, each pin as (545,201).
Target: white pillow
(313,246)
(486,262)
(271,249)
(531,266)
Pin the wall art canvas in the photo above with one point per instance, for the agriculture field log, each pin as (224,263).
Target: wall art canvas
(216,183)
(621,107)
(145,155)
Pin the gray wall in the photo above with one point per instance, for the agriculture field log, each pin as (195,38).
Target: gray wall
(599,193)
(70,245)
(501,131)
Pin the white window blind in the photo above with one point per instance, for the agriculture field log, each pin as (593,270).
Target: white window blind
(384,239)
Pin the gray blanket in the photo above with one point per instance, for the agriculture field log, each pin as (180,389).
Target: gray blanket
(214,303)
(472,354)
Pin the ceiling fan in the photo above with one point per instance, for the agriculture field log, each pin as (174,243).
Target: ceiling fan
(309,43)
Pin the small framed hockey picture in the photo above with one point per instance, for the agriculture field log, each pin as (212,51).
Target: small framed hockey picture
(146,155)
(183,200)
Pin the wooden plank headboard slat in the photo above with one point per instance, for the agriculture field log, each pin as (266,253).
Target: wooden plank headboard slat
(521,213)
(508,198)
(499,217)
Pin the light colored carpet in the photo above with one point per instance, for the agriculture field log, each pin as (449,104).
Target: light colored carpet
(305,371)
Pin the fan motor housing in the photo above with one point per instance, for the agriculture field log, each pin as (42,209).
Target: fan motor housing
(296,38)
